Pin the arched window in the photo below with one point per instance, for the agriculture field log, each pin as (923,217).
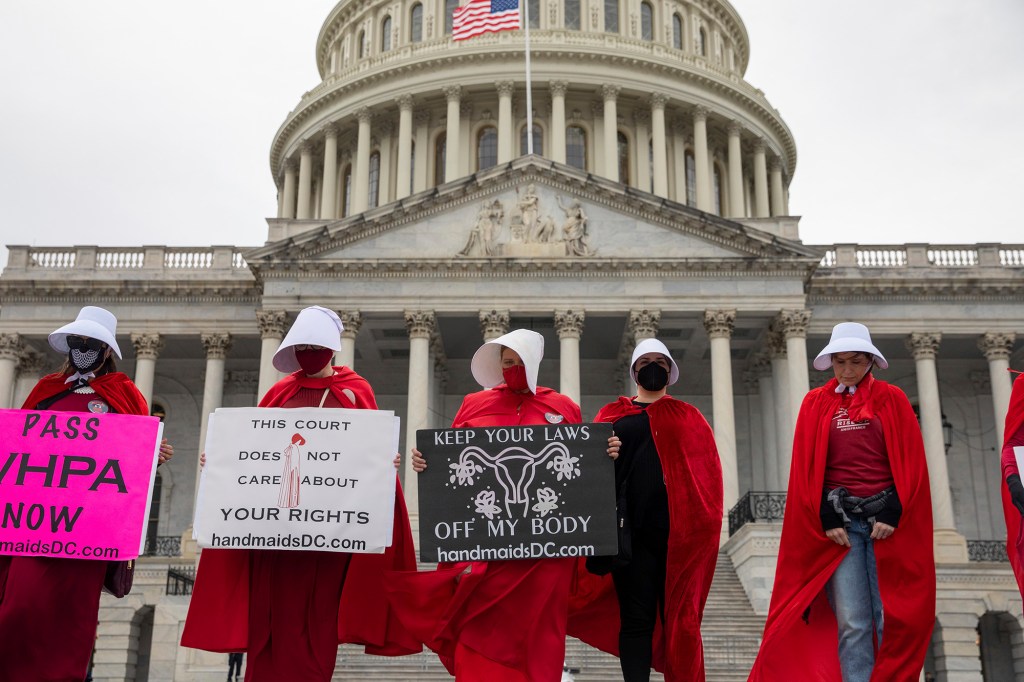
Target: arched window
(677,31)
(486,147)
(153,523)
(439,158)
(611,16)
(538,140)
(702,46)
(576,147)
(573,18)
(646,21)
(691,180)
(361,45)
(416,23)
(346,190)
(374,180)
(533,7)
(385,34)
(623,151)
(449,11)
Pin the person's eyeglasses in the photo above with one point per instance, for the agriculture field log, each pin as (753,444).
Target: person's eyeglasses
(84,342)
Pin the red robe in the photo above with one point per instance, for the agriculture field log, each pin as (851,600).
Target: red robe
(502,621)
(1014,539)
(61,595)
(800,638)
(693,480)
(218,615)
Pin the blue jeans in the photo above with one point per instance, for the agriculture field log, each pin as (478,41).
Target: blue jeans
(853,593)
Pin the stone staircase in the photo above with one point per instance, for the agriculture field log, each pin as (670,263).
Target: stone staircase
(731,633)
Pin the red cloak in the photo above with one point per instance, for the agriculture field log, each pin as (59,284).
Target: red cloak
(56,600)
(693,479)
(218,615)
(1014,539)
(800,638)
(503,620)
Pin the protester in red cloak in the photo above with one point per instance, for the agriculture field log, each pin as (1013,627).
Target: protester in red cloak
(289,609)
(1013,491)
(674,502)
(45,600)
(801,638)
(496,621)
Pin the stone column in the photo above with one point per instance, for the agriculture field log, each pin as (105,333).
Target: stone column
(719,325)
(423,153)
(288,201)
(558,90)
(778,193)
(997,346)
(610,94)
(641,324)
(147,349)
(217,347)
(760,181)
(351,321)
(329,186)
(639,153)
(701,159)
(273,324)
(659,143)
(505,90)
(493,323)
(302,211)
(793,325)
(569,326)
(403,176)
(10,349)
(597,116)
(735,171)
(784,419)
(769,423)
(949,545)
(453,129)
(30,369)
(420,325)
(361,171)
(679,160)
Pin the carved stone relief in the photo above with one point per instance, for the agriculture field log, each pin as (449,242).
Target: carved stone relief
(532,229)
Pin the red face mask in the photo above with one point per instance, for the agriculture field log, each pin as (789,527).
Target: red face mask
(312,360)
(515,377)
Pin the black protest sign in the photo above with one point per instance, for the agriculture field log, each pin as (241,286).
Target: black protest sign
(516,492)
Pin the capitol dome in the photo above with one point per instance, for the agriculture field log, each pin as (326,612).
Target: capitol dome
(402,107)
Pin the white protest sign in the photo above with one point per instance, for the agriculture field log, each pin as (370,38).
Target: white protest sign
(305,479)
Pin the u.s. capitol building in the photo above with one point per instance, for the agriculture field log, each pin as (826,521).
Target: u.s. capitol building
(655,204)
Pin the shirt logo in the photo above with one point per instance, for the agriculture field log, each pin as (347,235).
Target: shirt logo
(98,407)
(844,423)
(553,418)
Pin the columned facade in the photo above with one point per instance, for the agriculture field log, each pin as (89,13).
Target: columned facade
(147,350)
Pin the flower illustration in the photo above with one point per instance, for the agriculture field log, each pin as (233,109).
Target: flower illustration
(464,471)
(564,465)
(485,504)
(547,501)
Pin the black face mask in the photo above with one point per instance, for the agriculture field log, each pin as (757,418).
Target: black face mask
(85,360)
(652,377)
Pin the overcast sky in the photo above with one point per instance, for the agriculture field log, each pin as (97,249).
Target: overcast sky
(127,122)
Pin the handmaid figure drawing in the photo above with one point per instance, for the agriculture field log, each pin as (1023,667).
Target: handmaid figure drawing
(289,495)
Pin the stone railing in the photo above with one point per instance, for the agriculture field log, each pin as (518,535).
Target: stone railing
(923,256)
(173,259)
(757,506)
(987,550)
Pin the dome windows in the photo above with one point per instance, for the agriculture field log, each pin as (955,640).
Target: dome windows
(576,147)
(487,148)
(677,31)
(573,15)
(538,141)
(646,21)
(385,35)
(416,23)
(611,16)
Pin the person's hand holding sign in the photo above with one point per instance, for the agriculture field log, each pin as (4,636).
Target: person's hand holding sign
(613,446)
(418,463)
(166,452)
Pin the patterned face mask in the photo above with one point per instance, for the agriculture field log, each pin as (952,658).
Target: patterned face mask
(85,360)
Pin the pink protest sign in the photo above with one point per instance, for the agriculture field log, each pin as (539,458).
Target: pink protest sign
(75,484)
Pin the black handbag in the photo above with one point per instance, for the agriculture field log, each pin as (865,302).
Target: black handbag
(603,565)
(119,577)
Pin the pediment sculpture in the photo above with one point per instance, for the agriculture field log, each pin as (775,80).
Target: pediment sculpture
(532,231)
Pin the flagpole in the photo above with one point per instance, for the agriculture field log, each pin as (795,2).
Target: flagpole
(529,87)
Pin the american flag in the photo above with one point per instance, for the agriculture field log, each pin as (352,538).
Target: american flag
(483,16)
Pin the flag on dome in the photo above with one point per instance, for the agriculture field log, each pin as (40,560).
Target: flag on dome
(484,16)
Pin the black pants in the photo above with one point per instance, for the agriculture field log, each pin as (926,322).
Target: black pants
(234,664)
(640,587)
